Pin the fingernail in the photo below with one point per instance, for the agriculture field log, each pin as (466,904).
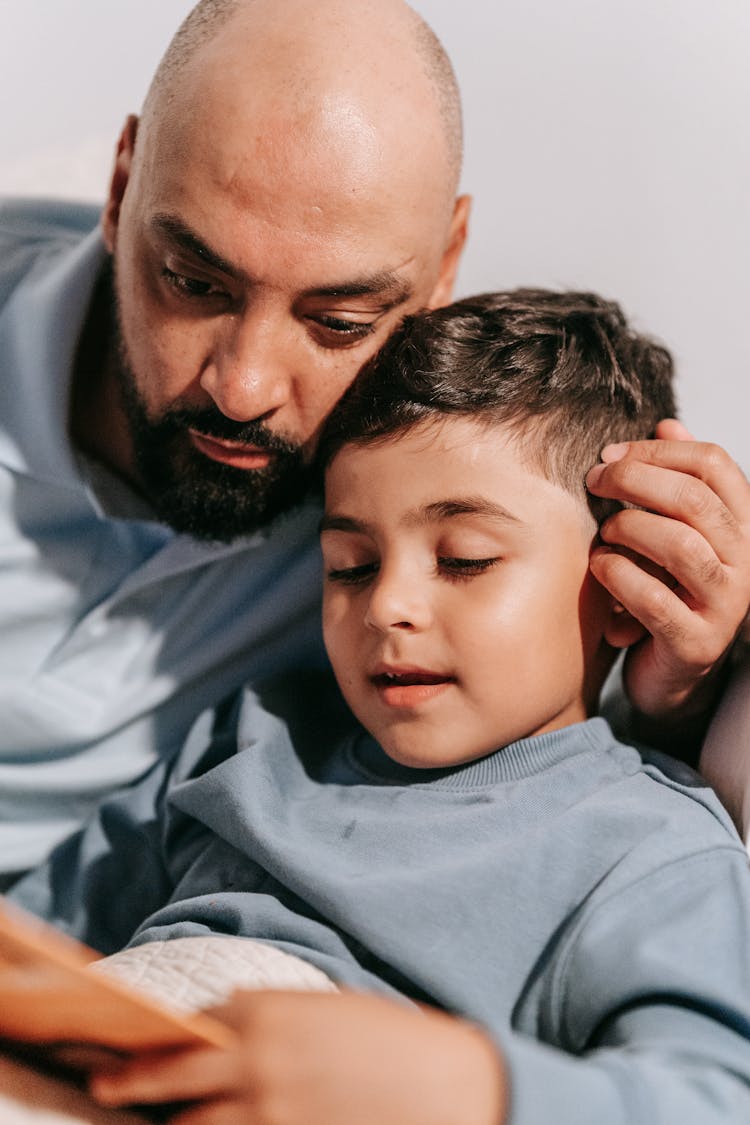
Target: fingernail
(615,452)
(593,476)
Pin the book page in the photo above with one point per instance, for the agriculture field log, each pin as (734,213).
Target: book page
(48,995)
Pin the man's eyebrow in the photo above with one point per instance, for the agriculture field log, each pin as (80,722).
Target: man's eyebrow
(431,513)
(384,283)
(188,240)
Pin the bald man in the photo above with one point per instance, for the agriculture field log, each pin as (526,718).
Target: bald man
(288,195)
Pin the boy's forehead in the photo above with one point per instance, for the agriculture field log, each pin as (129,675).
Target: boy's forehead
(461,444)
(446,459)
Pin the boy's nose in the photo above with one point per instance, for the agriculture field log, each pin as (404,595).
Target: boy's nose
(397,602)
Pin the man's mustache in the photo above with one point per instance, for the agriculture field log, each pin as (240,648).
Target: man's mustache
(214,424)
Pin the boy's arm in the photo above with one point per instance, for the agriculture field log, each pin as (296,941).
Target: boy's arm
(647,1004)
(308,1059)
(679,562)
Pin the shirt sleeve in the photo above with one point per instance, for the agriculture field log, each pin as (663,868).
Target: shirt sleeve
(102,882)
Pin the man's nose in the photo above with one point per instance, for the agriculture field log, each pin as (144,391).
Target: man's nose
(399,599)
(249,372)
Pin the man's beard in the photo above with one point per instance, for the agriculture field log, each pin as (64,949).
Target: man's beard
(198,496)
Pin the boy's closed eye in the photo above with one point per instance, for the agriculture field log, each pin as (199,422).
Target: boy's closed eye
(453,567)
(353,575)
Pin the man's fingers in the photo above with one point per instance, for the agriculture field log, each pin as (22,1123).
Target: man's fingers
(677,496)
(677,560)
(670,429)
(643,595)
(632,472)
(675,547)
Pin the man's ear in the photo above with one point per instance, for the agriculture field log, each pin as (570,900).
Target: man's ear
(442,294)
(621,629)
(119,181)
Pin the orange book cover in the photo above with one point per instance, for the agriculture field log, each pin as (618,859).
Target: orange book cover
(49,996)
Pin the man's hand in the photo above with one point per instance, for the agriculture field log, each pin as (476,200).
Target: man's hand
(322,1059)
(679,564)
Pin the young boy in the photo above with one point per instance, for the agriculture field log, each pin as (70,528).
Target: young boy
(483,845)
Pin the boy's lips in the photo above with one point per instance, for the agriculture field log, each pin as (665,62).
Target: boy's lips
(409,686)
(235,453)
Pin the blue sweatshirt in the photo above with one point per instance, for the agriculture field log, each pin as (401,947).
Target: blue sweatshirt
(587,904)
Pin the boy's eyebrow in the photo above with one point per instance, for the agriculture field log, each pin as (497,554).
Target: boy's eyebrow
(342,523)
(431,513)
(467,506)
(383,283)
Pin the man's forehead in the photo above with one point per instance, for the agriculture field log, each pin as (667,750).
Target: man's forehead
(328,198)
(340,152)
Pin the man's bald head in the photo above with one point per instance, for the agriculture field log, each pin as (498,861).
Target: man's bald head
(210,17)
(288,196)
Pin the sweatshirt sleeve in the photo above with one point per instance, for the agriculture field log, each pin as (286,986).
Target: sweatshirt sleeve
(645,1014)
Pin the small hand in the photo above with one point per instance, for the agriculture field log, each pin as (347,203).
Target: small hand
(321,1059)
(679,564)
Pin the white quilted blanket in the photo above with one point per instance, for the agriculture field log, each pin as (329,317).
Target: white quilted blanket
(186,974)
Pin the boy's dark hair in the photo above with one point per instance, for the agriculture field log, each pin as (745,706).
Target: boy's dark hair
(564,370)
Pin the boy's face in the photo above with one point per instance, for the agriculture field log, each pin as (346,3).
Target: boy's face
(459,612)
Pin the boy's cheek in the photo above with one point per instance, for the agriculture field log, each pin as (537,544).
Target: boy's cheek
(339,628)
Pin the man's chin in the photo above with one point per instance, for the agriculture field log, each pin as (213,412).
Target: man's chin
(206,477)
(232,504)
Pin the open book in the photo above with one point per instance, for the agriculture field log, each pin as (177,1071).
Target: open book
(49,995)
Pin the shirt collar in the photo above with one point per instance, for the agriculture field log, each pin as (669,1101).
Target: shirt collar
(39,332)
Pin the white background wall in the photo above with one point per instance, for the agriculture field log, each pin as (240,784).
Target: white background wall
(608,147)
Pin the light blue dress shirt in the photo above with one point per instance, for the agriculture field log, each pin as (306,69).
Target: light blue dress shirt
(115,632)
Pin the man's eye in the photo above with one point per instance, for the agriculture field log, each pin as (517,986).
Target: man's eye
(190,286)
(353,575)
(344,331)
(465,568)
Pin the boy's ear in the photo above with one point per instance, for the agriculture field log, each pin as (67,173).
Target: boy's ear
(621,629)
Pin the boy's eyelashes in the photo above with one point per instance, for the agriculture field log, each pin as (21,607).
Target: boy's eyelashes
(466,568)
(352,575)
(456,569)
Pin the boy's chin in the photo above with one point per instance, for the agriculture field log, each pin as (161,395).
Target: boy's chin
(432,753)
